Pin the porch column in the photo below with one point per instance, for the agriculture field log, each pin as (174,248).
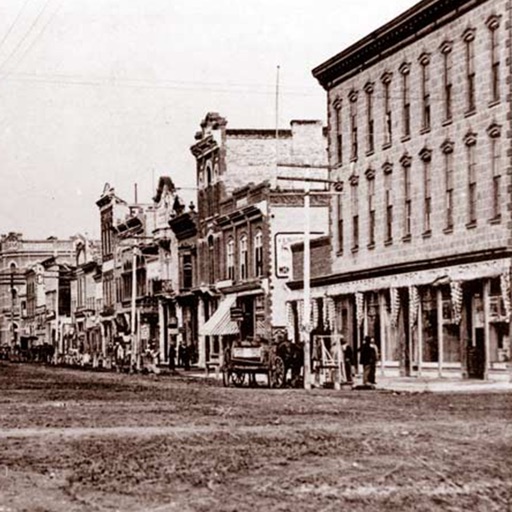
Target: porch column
(439,296)
(487,337)
(161,332)
(420,337)
(383,333)
(179,321)
(201,341)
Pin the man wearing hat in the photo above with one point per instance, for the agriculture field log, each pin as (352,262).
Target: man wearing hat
(369,358)
(347,358)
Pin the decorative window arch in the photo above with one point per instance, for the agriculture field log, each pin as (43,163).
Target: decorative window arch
(244,257)
(230,258)
(258,253)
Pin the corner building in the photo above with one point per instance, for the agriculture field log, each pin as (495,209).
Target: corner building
(419,132)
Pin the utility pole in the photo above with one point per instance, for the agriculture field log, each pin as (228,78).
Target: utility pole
(306,321)
(134,356)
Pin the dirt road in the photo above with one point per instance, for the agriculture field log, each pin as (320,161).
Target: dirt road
(81,441)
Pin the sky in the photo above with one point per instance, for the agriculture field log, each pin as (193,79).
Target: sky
(97,91)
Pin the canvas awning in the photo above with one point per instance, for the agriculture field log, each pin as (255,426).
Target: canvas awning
(220,323)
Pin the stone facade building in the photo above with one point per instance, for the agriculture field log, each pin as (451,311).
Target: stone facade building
(246,222)
(419,131)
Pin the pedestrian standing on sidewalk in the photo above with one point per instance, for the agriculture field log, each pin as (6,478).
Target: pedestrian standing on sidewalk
(369,357)
(347,357)
(172,357)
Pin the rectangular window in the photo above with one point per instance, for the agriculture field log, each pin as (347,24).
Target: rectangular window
(406,105)
(496,177)
(339,133)
(187,271)
(355,218)
(388,121)
(427,198)
(407,201)
(371,212)
(495,68)
(339,208)
(353,129)
(258,254)
(448,172)
(370,123)
(470,75)
(447,85)
(389,207)
(471,184)
(425,89)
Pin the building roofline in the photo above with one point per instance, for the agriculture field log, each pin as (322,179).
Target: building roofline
(390,37)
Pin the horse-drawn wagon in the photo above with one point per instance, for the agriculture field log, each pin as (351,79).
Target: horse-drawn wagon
(245,360)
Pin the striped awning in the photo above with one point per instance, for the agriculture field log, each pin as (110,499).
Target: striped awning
(220,323)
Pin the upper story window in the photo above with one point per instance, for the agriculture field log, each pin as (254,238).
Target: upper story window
(493,24)
(258,254)
(388,119)
(426,158)
(470,142)
(370,125)
(353,125)
(354,189)
(405,69)
(230,259)
(406,166)
(447,149)
(494,132)
(469,41)
(388,201)
(338,124)
(339,220)
(244,258)
(424,61)
(211,259)
(446,50)
(188,272)
(370,177)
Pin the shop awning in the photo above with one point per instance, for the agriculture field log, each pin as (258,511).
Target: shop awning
(220,323)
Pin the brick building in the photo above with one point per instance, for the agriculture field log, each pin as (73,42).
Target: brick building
(17,255)
(419,115)
(246,221)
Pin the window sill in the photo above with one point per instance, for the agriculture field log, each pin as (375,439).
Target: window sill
(495,220)
(339,253)
(407,238)
(371,246)
(470,113)
(370,152)
(424,130)
(353,159)
(494,103)
(388,242)
(427,234)
(471,225)
(337,165)
(448,230)
(387,145)
(447,122)
(355,249)
(405,138)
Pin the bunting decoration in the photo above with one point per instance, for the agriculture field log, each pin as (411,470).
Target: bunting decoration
(300,314)
(329,313)
(505,293)
(414,302)
(456,298)
(289,320)
(359,308)
(314,313)
(394,299)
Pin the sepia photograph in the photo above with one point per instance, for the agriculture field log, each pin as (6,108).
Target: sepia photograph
(255,256)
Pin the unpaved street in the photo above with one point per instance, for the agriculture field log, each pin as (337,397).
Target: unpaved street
(79,441)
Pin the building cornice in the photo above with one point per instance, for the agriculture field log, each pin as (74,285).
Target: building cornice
(410,26)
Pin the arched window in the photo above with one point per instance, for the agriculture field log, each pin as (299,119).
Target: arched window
(230,259)
(258,254)
(244,257)
(211,260)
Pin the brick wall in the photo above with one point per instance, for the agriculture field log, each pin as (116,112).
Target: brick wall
(485,234)
(320,258)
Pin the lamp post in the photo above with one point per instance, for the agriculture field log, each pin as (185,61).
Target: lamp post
(134,360)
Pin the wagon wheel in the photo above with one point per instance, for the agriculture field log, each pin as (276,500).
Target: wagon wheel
(276,374)
(238,378)
(226,376)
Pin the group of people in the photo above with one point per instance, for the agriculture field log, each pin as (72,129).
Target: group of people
(368,357)
(184,356)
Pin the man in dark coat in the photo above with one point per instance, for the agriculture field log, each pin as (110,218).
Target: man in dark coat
(369,358)
(347,358)
(172,357)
